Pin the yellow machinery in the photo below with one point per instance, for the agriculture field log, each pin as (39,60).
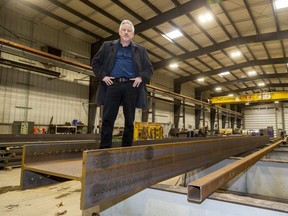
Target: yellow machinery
(250,98)
(227,131)
(147,130)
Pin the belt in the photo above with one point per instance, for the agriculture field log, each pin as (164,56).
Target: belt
(121,80)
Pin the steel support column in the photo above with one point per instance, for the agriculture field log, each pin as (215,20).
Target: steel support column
(224,118)
(212,118)
(198,110)
(93,87)
(177,105)
(233,118)
(145,112)
(239,119)
(184,114)
(153,111)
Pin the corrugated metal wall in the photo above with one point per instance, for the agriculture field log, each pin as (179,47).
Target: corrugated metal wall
(30,96)
(190,112)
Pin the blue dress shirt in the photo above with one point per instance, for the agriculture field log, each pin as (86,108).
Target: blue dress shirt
(123,66)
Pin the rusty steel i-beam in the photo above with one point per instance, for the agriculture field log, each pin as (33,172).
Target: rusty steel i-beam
(109,176)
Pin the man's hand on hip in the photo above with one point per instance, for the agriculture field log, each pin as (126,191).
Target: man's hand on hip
(108,80)
(137,81)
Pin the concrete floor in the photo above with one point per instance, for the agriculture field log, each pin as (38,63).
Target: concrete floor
(58,199)
(64,199)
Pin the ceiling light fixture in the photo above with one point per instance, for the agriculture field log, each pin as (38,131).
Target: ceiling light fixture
(174,65)
(279,4)
(205,17)
(172,35)
(224,73)
(261,84)
(218,89)
(236,54)
(167,38)
(200,79)
(230,95)
(252,73)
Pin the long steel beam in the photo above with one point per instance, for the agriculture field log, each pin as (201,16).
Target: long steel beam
(108,176)
(111,175)
(201,188)
(10,140)
(50,161)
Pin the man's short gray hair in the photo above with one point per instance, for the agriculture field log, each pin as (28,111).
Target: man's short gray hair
(127,22)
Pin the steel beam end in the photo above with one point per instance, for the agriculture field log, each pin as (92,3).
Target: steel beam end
(194,194)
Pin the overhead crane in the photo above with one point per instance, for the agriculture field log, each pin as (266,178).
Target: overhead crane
(251,98)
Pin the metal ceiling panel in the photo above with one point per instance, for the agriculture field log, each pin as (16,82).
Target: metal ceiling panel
(274,49)
(168,73)
(163,5)
(140,8)
(281,68)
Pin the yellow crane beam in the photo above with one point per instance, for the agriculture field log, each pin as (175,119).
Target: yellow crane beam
(251,98)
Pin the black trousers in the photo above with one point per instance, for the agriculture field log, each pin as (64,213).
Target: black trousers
(119,93)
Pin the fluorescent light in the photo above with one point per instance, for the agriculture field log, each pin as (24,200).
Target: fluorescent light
(200,79)
(174,34)
(167,38)
(218,89)
(230,95)
(224,73)
(246,104)
(235,54)
(173,65)
(276,102)
(252,73)
(279,4)
(261,84)
(205,17)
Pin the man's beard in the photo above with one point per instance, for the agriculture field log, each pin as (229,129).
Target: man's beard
(126,38)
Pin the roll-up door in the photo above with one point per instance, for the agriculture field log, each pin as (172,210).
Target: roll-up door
(260,117)
(286,117)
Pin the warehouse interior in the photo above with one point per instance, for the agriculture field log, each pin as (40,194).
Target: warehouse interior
(218,104)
